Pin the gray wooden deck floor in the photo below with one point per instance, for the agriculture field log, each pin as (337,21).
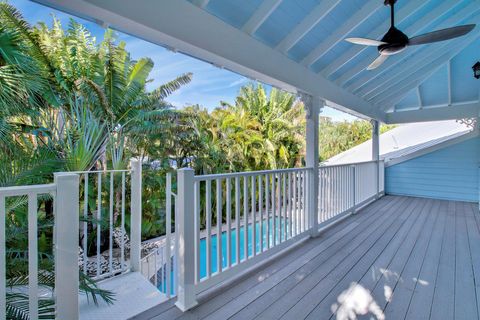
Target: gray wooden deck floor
(398,258)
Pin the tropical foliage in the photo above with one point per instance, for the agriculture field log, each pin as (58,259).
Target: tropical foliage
(71,103)
(68,104)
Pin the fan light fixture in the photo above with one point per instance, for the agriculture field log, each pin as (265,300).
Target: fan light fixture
(395,41)
(476,70)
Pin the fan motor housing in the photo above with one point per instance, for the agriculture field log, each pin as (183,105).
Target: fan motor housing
(396,41)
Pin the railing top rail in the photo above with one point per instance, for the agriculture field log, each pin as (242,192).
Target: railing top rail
(247,173)
(15,191)
(98,171)
(348,164)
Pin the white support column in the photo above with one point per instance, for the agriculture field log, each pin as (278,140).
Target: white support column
(313,106)
(376,152)
(136,215)
(186,298)
(66,233)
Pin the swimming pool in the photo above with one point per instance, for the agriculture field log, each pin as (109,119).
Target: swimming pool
(280,227)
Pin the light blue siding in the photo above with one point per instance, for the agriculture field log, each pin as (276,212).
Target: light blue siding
(449,173)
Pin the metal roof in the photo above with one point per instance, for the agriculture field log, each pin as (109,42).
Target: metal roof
(406,141)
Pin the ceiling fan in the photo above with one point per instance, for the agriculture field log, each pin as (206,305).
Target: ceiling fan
(395,41)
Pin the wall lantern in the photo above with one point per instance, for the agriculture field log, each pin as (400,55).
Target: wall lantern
(476,70)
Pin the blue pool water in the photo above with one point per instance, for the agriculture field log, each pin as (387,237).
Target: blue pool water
(233,244)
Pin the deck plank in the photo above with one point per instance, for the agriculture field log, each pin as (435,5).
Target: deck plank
(405,287)
(425,284)
(305,307)
(323,264)
(423,250)
(472,216)
(287,284)
(246,285)
(442,306)
(388,278)
(342,294)
(465,300)
(311,291)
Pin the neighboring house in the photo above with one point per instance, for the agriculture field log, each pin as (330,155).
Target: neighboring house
(433,159)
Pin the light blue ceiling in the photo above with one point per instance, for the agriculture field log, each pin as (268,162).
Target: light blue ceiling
(421,76)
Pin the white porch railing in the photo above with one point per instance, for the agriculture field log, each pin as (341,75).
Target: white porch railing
(64,191)
(217,226)
(103,222)
(246,217)
(345,188)
(160,266)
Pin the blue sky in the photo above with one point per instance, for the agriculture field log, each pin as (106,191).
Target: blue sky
(209,86)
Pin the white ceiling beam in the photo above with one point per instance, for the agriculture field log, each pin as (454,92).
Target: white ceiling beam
(411,69)
(373,80)
(307,24)
(412,30)
(449,79)
(398,89)
(410,8)
(367,10)
(260,15)
(459,111)
(201,3)
(419,97)
(206,37)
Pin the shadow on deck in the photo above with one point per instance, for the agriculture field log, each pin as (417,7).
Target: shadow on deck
(398,258)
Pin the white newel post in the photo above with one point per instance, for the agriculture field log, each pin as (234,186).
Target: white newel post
(186,298)
(136,215)
(66,245)
(313,106)
(376,154)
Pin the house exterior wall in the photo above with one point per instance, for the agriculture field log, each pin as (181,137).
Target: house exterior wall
(450,173)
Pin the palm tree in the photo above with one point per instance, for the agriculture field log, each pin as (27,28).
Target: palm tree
(67,104)
(280,127)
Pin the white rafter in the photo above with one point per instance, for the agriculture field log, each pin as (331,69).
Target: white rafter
(207,37)
(369,82)
(410,8)
(449,79)
(419,97)
(397,90)
(413,29)
(307,24)
(260,15)
(368,9)
(201,3)
(411,66)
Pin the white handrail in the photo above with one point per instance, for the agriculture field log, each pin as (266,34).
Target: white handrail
(247,173)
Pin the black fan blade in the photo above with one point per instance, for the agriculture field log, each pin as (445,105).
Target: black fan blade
(377,62)
(441,35)
(365,41)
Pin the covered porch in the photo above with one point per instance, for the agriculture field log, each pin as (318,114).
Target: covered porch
(315,242)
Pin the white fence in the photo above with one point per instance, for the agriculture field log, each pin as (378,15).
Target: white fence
(245,215)
(344,188)
(102,230)
(65,194)
(160,265)
(69,235)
